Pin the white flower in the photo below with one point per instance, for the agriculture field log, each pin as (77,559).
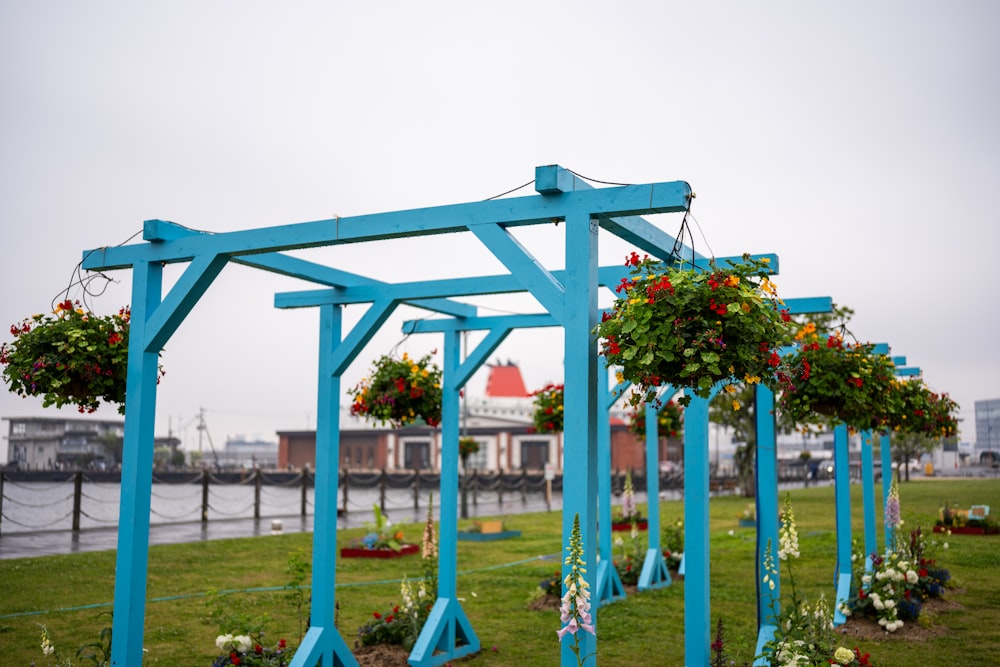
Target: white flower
(222,641)
(911,577)
(866,579)
(945,545)
(244,642)
(844,656)
(878,603)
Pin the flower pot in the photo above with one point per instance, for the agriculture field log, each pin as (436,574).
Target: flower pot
(405,550)
(491,526)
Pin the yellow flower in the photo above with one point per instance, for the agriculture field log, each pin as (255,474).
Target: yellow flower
(767,286)
(751,379)
(414,368)
(736,404)
(729,389)
(732,281)
(746,307)
(619,377)
(809,328)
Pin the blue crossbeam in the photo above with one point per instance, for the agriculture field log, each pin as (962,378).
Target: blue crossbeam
(629,200)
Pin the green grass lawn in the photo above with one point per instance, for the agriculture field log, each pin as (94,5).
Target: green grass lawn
(69,593)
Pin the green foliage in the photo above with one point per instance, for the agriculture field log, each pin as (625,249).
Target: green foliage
(832,382)
(298,570)
(922,411)
(669,421)
(70,357)
(55,589)
(548,403)
(400,391)
(691,328)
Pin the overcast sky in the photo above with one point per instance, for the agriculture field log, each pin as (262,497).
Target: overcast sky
(859,141)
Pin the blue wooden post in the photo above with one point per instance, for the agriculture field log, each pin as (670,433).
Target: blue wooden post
(842,490)
(447,634)
(768,598)
(609,584)
(580,409)
(654,569)
(323,642)
(868,491)
(137,462)
(697,610)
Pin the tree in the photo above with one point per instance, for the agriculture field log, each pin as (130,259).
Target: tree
(908,446)
(736,410)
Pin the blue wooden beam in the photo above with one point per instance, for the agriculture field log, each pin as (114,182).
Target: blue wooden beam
(136,482)
(609,583)
(697,609)
(580,409)
(532,210)
(295,267)
(868,494)
(554,180)
(842,494)
(654,572)
(447,634)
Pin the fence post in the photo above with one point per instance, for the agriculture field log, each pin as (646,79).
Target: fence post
(475,487)
(2,476)
(524,486)
(416,490)
(344,481)
(77,493)
(256,493)
(204,496)
(381,491)
(500,487)
(304,502)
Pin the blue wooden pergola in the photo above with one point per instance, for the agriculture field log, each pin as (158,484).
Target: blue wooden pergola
(561,198)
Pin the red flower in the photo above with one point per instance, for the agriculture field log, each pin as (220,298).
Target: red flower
(282,643)
(388,618)
(258,649)
(376,614)
(774,360)
(233,658)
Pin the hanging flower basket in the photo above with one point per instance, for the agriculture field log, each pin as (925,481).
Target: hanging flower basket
(399,392)
(923,411)
(831,382)
(71,357)
(670,421)
(548,417)
(692,329)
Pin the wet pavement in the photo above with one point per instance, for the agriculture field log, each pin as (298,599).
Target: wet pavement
(47,543)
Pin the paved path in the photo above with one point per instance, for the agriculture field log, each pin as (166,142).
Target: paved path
(46,543)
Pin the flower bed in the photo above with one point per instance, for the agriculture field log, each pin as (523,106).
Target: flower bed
(966,530)
(470,536)
(624,527)
(361,552)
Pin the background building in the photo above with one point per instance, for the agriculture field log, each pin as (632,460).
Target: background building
(501,422)
(987,448)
